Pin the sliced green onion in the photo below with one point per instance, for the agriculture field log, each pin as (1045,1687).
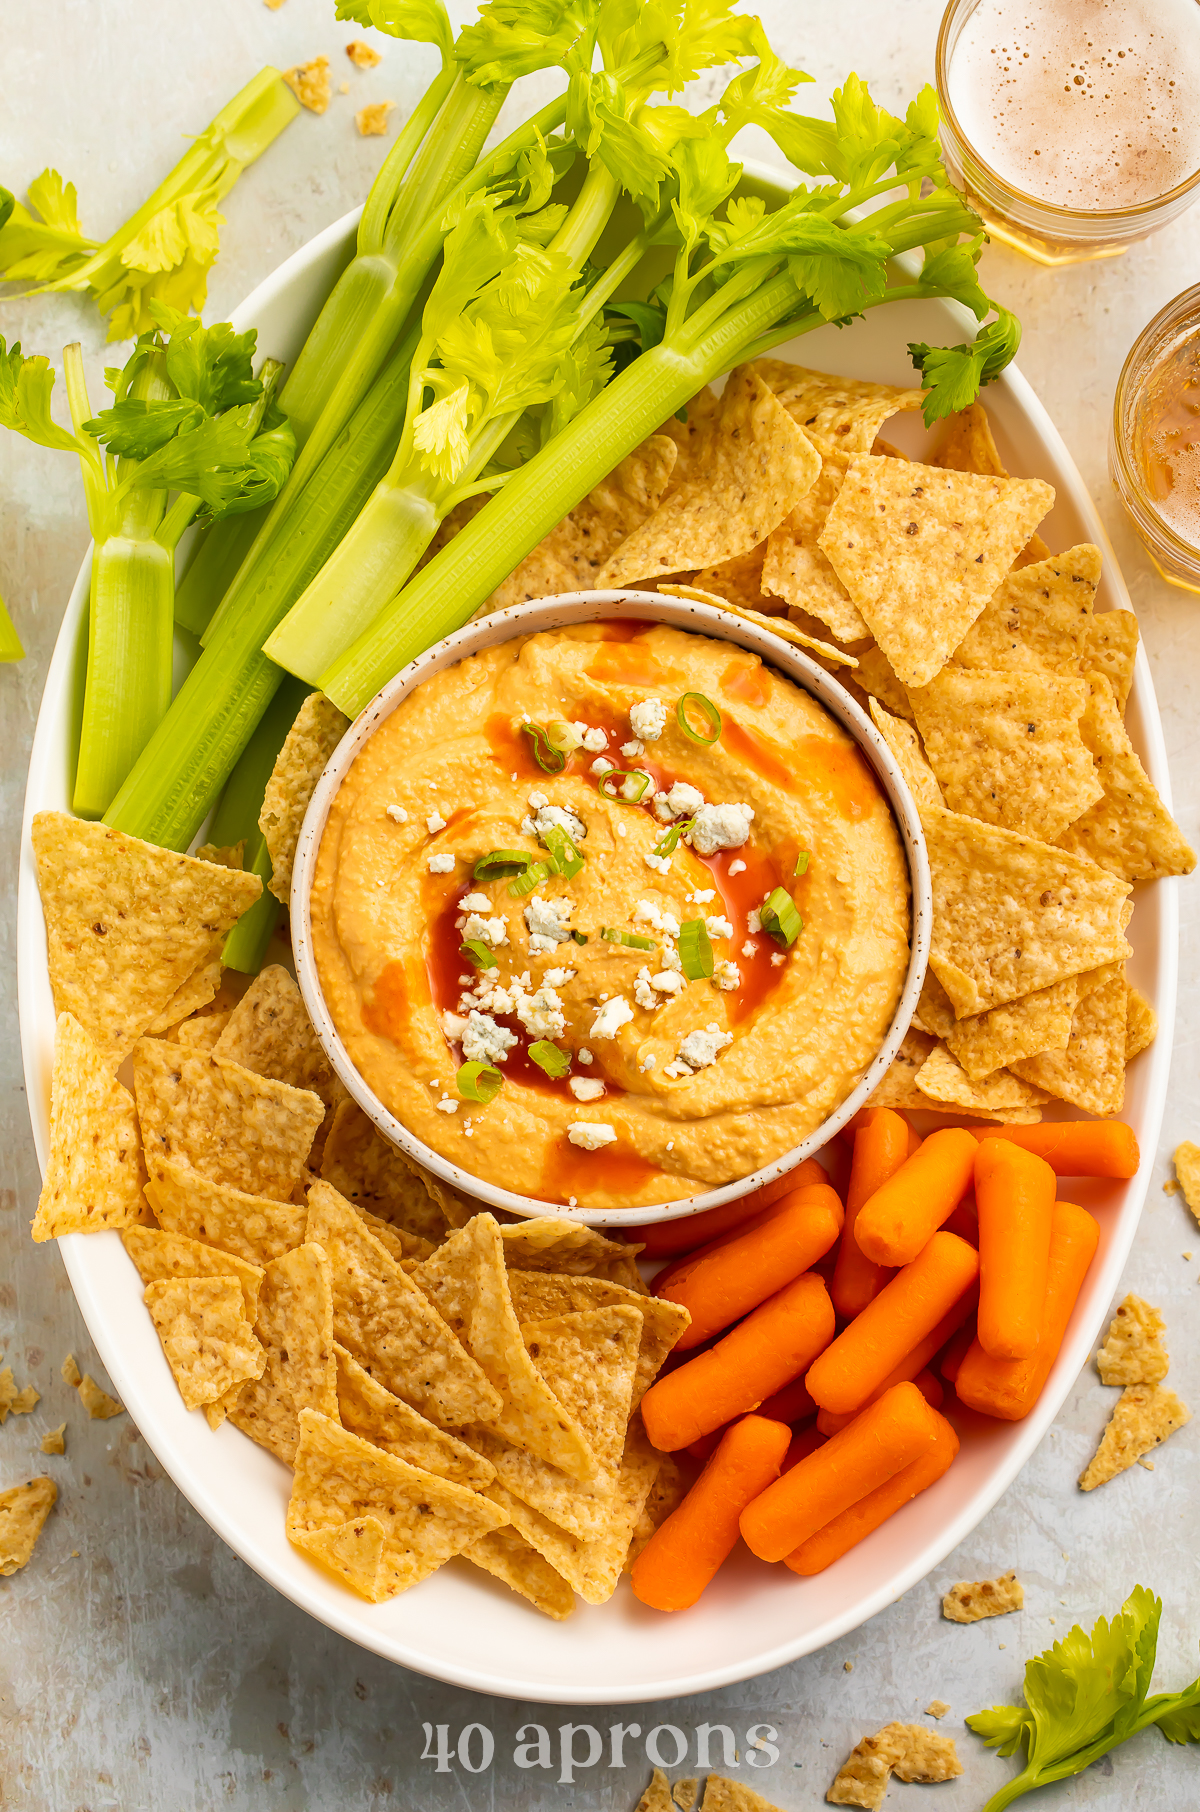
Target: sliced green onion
(501,862)
(567,858)
(563,736)
(548,1057)
(780,919)
(479,1082)
(548,758)
(624,774)
(668,843)
(801,863)
(534,875)
(708,710)
(478,953)
(695,950)
(580,937)
(628,938)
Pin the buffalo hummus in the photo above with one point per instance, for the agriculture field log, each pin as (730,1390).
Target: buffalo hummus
(623,941)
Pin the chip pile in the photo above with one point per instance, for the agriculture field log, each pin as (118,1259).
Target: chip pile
(926,590)
(439,1384)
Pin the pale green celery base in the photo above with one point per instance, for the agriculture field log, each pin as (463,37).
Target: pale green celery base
(128,685)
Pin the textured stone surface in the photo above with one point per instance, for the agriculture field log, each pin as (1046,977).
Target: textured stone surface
(155,1670)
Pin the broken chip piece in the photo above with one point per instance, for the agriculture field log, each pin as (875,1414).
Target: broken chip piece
(1144,1417)
(23,1513)
(970,1603)
(1133,1350)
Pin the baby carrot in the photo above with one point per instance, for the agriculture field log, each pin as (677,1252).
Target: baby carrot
(861,1519)
(906,1210)
(706,1446)
(904,1313)
(965,1221)
(722,1287)
(1077,1148)
(1009,1388)
(663,1239)
(1015,1192)
(912,1363)
(957,1349)
(684,1553)
(791,1404)
(880,1148)
(808,1192)
(804,1442)
(775,1344)
(876,1446)
(929,1387)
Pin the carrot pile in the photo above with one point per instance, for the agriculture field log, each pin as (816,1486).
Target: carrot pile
(825,1340)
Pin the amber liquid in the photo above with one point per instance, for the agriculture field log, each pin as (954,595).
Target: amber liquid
(1167,440)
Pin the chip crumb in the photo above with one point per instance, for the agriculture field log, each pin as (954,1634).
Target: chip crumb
(14,1401)
(309,82)
(1133,1350)
(1144,1417)
(970,1602)
(372,120)
(723,1795)
(71,1373)
(847,1667)
(657,1797)
(1171,1186)
(23,1511)
(936,1708)
(55,1439)
(1187,1170)
(684,1793)
(99,1405)
(273,4)
(362,55)
(343,87)
(909,1751)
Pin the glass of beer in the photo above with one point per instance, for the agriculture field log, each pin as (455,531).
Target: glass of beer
(1072,125)
(1154,446)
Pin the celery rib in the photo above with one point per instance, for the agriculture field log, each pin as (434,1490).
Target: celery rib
(10,642)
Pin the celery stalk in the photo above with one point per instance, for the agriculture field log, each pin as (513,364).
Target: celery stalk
(10,641)
(171,789)
(236,821)
(212,567)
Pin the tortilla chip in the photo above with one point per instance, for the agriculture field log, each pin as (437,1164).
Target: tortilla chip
(574,551)
(352,1551)
(205,1335)
(400,1245)
(898,1089)
(54,1440)
(935,1014)
(592,1568)
(905,745)
(657,1797)
(984,1598)
(944,1080)
(1145,1415)
(201,1032)
(540,1296)
(361,1165)
(1011,915)
(367,1409)
(722,1795)
(468,1284)
(269,1032)
(623,1270)
(198,990)
(780,626)
(740,580)
(226,855)
(967,444)
(225,1121)
(755,466)
(315,734)
(127,924)
(309,82)
(666,1494)
(921,551)
(685,1794)
(1021,1028)
(1111,649)
(1141,1024)
(23,1512)
(509,1557)
(18,1402)
(94,1173)
(295,1326)
(1090,1073)
(383,1319)
(1039,618)
(168,1256)
(839,414)
(877,679)
(909,1751)
(99,1405)
(1006,748)
(550,1244)
(795,567)
(1187,1169)
(1133,1350)
(1129,832)
(425,1520)
(253,1227)
(861,1780)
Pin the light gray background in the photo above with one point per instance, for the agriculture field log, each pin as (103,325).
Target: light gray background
(154,1670)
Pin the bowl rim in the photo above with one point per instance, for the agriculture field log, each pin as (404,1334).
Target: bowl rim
(557,611)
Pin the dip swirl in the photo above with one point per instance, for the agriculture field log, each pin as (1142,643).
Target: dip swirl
(676,1084)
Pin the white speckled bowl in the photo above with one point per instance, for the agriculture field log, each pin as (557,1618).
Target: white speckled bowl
(556,613)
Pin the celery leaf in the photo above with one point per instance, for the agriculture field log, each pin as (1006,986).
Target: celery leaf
(513,38)
(422,21)
(26,385)
(956,374)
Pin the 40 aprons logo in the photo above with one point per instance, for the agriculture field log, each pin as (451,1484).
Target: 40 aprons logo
(584,1746)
